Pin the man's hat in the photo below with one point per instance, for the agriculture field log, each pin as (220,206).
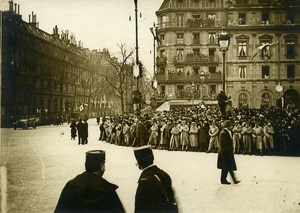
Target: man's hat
(144,155)
(93,160)
(227,123)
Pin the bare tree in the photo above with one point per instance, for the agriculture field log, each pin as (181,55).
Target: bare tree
(118,72)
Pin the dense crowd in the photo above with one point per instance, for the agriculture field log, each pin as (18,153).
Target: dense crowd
(272,131)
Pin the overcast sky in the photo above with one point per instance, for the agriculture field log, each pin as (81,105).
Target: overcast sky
(97,23)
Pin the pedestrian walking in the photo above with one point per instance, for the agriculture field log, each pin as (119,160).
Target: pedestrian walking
(80,129)
(154,192)
(226,161)
(89,191)
(73,130)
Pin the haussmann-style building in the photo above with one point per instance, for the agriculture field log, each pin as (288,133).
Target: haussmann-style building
(262,66)
(48,74)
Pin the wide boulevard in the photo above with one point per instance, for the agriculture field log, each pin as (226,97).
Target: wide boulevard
(37,163)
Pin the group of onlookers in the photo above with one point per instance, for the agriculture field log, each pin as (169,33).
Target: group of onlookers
(255,131)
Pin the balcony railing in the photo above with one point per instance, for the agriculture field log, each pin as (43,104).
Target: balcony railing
(203,23)
(196,58)
(194,23)
(184,78)
(161,60)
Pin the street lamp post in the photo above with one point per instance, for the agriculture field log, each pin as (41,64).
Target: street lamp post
(154,38)
(223,41)
(137,67)
(202,77)
(136,41)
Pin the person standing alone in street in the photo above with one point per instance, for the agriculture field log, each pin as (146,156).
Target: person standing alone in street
(80,130)
(226,161)
(154,192)
(89,191)
(73,130)
(85,132)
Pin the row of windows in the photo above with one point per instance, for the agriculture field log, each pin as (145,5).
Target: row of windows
(265,71)
(240,18)
(242,71)
(242,48)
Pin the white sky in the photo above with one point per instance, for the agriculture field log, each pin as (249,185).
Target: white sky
(97,23)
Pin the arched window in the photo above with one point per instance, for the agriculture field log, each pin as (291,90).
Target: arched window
(243,100)
(265,100)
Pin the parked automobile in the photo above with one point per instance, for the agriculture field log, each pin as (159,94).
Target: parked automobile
(25,123)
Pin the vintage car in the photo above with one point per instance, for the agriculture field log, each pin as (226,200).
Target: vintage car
(25,123)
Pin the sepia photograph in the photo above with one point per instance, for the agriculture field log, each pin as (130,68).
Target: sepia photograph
(150,106)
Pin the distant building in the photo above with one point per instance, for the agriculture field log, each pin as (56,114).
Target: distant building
(189,58)
(46,74)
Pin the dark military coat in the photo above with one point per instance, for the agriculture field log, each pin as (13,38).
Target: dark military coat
(150,195)
(225,157)
(89,192)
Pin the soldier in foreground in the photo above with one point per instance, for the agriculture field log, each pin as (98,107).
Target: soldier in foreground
(89,191)
(154,192)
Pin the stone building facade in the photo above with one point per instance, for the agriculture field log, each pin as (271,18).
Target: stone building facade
(262,62)
(46,74)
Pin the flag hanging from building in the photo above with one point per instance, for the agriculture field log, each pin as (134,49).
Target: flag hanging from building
(81,108)
(261,47)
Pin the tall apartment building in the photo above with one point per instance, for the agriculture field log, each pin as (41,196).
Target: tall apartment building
(189,60)
(44,73)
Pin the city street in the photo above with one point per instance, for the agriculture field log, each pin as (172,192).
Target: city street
(40,161)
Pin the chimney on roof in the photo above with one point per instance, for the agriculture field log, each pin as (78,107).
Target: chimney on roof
(33,22)
(11,6)
(15,11)
(18,9)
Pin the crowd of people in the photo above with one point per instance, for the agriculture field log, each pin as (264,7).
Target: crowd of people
(272,131)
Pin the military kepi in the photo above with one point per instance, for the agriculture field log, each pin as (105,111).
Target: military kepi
(93,160)
(144,155)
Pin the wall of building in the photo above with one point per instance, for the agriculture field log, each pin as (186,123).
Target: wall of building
(251,24)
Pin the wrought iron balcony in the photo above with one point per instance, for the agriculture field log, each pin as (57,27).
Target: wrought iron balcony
(192,58)
(208,22)
(161,60)
(187,79)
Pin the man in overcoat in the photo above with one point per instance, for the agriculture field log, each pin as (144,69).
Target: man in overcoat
(154,192)
(80,130)
(89,191)
(226,161)
(85,132)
